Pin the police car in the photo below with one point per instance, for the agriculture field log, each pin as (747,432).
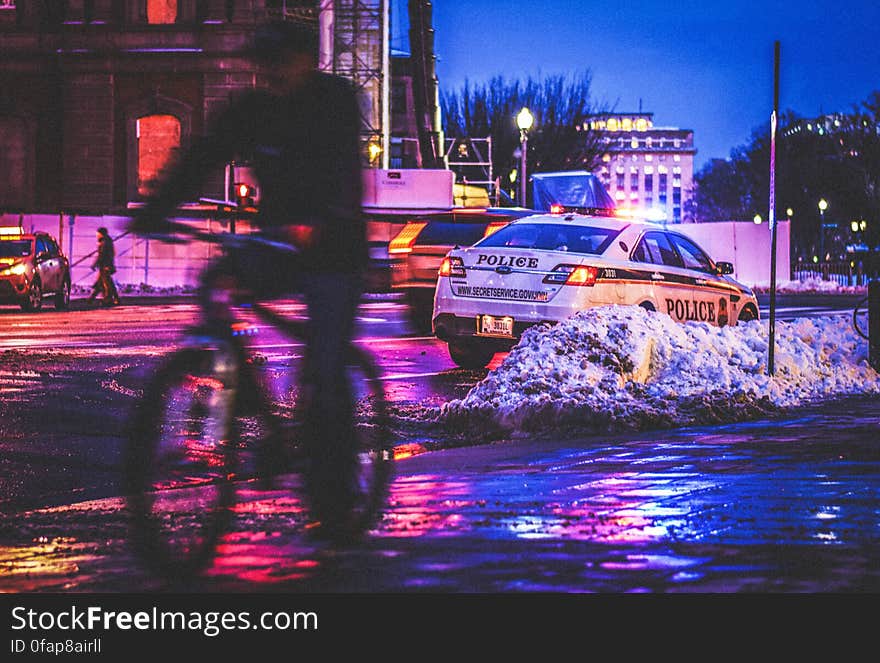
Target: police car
(545,268)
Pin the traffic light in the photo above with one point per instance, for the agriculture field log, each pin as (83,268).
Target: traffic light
(244,194)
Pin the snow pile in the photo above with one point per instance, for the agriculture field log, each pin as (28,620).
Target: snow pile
(141,289)
(621,367)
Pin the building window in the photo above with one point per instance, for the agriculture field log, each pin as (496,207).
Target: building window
(634,143)
(649,182)
(620,181)
(676,195)
(676,158)
(161,12)
(158,140)
(676,214)
(649,157)
(7,4)
(634,182)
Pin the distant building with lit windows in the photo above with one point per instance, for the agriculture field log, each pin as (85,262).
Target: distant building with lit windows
(645,167)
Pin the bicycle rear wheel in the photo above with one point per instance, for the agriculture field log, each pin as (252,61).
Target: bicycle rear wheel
(180,460)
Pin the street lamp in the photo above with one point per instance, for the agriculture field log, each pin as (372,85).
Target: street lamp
(823,205)
(524,120)
(757,219)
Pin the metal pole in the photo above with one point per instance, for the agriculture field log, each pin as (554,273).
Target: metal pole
(771,367)
(874,324)
(524,145)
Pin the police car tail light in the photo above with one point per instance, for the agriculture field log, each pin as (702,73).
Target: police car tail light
(556,208)
(573,275)
(403,242)
(451,267)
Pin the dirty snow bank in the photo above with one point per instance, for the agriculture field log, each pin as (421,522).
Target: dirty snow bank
(620,367)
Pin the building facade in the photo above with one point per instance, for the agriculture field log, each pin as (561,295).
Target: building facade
(97,96)
(645,167)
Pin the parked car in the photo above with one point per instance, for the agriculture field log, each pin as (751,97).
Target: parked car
(547,267)
(32,266)
(418,249)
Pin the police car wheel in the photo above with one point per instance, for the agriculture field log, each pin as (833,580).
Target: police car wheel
(470,355)
(746,315)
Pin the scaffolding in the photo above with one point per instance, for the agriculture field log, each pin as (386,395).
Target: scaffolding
(471,161)
(354,37)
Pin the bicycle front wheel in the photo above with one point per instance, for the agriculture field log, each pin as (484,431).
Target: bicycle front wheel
(180,460)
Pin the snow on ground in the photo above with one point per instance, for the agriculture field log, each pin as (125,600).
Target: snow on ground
(621,367)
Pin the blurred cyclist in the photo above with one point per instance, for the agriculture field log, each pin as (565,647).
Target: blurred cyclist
(301,136)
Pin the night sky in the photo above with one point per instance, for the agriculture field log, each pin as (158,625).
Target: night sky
(700,65)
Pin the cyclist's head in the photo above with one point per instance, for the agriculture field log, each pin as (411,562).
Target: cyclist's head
(277,41)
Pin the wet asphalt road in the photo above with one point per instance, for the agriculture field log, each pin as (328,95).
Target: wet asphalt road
(786,504)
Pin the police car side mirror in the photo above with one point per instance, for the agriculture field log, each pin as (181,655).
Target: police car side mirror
(724,267)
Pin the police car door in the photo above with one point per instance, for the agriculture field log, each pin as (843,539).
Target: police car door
(709,288)
(672,283)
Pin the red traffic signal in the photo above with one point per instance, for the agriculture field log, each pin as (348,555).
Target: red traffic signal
(244,194)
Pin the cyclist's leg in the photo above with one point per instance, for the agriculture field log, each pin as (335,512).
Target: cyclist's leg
(332,301)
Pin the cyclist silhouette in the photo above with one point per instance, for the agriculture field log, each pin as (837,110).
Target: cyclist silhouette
(301,135)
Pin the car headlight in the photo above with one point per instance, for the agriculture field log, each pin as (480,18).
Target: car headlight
(16,270)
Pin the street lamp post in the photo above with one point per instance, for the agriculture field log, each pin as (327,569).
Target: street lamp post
(823,205)
(524,121)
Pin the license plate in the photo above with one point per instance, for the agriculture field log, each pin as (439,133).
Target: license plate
(490,325)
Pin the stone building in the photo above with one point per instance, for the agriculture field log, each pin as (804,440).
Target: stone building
(644,166)
(97,95)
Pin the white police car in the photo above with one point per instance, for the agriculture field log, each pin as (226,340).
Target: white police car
(545,268)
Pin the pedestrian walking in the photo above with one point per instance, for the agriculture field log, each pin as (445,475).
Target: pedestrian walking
(105,263)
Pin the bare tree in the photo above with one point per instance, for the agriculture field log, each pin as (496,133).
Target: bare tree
(560,139)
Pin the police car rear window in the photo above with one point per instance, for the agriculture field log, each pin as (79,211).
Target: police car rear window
(443,233)
(15,249)
(553,237)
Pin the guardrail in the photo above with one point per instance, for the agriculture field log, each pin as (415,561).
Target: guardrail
(853,272)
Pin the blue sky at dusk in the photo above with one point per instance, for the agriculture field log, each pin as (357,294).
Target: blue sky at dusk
(703,66)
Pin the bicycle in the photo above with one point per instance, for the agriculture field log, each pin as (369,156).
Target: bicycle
(860,318)
(188,432)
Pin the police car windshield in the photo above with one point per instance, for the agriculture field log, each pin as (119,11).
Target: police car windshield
(15,249)
(553,237)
